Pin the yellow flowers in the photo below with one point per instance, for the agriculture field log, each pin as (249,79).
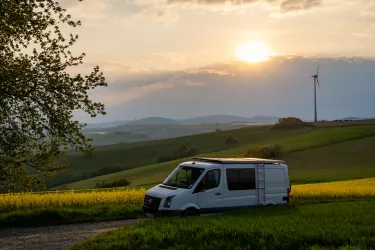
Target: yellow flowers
(335,190)
(364,188)
(11,202)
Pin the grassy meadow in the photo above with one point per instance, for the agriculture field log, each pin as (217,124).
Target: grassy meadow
(346,225)
(139,154)
(312,155)
(332,171)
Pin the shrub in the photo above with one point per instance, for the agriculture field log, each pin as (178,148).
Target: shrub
(230,140)
(119,183)
(266,151)
(290,123)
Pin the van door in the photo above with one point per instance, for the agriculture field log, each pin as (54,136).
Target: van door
(239,186)
(209,191)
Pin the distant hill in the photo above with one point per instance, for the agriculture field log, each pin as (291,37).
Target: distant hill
(110,124)
(154,121)
(212,119)
(264,119)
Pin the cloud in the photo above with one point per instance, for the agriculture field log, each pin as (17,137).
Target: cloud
(296,5)
(133,87)
(88,11)
(153,14)
(158,14)
(285,5)
(282,85)
(127,95)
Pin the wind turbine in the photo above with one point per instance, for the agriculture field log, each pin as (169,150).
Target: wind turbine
(316,81)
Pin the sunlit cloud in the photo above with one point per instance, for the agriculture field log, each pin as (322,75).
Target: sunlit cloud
(90,12)
(130,94)
(284,5)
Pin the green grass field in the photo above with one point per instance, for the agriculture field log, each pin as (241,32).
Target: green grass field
(320,226)
(313,155)
(69,215)
(133,155)
(321,216)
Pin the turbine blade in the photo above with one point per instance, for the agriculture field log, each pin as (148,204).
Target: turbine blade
(317,79)
(317,71)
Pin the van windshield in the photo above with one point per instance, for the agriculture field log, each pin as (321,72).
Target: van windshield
(184,177)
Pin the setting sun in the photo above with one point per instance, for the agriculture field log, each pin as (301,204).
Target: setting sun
(252,52)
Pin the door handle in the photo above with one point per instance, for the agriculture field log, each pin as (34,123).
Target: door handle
(218,193)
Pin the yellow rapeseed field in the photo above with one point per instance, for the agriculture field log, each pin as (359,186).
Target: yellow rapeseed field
(335,190)
(11,202)
(332,190)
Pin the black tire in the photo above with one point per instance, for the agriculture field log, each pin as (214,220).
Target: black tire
(190,212)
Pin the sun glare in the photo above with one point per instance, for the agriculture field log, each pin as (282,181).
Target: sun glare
(253,52)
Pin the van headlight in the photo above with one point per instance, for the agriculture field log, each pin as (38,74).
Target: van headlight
(168,201)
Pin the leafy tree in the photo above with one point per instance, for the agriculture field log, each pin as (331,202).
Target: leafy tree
(290,123)
(38,94)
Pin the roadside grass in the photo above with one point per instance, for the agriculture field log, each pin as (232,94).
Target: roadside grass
(51,216)
(346,225)
(314,155)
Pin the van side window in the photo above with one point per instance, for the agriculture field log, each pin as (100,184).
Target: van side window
(241,179)
(211,179)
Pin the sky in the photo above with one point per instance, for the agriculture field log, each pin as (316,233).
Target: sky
(187,58)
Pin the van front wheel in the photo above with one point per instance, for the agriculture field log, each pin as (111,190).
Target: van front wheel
(190,212)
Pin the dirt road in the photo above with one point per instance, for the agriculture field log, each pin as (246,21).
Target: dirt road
(55,237)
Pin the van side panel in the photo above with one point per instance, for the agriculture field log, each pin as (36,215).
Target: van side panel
(277,185)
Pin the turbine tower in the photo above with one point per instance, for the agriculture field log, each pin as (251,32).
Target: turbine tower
(316,81)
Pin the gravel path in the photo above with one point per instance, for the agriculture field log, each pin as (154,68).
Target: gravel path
(55,237)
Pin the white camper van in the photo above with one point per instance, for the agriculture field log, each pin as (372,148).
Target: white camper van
(213,185)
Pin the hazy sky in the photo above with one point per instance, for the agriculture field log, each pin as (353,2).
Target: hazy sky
(179,58)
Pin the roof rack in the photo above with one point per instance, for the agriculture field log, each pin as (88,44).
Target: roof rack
(239,160)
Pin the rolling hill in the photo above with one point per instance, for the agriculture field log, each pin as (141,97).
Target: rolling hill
(154,121)
(312,154)
(127,156)
(212,119)
(152,128)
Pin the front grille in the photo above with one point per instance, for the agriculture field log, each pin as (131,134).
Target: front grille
(151,204)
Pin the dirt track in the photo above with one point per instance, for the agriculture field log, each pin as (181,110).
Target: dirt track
(55,237)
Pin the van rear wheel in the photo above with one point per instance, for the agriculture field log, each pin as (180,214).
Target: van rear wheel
(190,212)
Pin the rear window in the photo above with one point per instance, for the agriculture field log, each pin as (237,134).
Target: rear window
(241,179)
(276,178)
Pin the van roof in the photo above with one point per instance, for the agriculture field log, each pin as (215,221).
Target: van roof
(238,160)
